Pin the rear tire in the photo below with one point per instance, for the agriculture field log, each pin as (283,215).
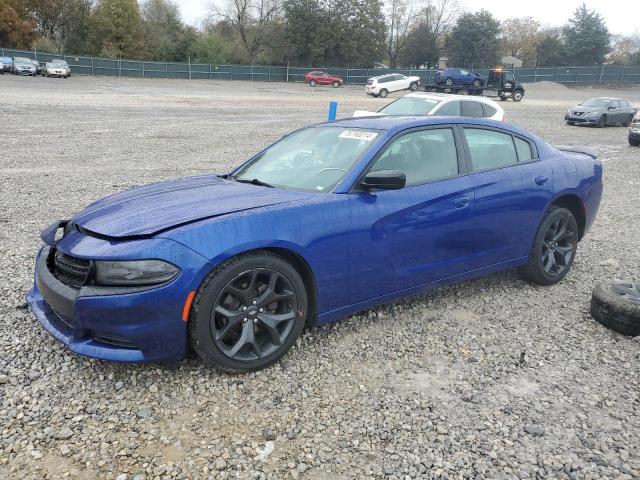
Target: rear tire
(383,93)
(248,312)
(554,248)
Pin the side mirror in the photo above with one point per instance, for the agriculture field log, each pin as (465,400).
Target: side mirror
(611,107)
(384,180)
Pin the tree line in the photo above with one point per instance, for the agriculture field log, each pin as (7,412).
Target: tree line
(355,33)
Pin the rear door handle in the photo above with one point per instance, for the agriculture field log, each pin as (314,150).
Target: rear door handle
(541,180)
(461,202)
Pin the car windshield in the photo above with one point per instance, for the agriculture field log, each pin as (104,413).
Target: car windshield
(409,106)
(596,102)
(59,62)
(22,60)
(313,159)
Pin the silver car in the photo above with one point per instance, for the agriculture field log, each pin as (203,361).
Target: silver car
(601,111)
(23,66)
(63,64)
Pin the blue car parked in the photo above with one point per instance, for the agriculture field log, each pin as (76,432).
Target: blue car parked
(330,220)
(459,76)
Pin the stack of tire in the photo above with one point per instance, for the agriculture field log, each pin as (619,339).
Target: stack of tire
(616,305)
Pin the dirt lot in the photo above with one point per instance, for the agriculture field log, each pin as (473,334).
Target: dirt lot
(493,378)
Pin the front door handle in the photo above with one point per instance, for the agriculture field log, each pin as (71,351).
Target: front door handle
(542,179)
(461,202)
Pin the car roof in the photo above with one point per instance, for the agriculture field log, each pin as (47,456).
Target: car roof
(450,96)
(392,122)
(386,75)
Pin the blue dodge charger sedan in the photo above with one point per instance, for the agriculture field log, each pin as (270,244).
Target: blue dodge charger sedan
(330,220)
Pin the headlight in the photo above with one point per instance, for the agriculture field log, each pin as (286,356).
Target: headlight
(134,272)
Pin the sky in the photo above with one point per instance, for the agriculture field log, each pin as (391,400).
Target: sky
(622,16)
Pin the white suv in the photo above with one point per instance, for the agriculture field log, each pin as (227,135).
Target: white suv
(392,82)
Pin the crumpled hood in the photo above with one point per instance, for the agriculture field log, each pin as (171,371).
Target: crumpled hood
(145,211)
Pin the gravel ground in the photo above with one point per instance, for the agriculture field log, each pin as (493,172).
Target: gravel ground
(492,378)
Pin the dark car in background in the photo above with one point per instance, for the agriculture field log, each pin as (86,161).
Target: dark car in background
(459,76)
(36,64)
(634,133)
(323,78)
(601,111)
(23,66)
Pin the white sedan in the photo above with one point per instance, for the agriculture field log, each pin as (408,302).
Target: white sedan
(440,104)
(382,85)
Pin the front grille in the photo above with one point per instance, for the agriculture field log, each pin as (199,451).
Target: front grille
(70,270)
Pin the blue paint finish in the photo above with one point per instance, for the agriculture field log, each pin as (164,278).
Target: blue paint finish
(363,247)
(333,110)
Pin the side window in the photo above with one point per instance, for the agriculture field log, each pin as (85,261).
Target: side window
(490,149)
(423,156)
(472,109)
(489,111)
(508,77)
(450,109)
(524,149)
(464,72)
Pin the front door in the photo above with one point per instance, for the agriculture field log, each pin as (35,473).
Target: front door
(420,233)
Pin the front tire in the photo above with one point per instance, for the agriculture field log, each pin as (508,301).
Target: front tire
(312,83)
(248,312)
(517,96)
(413,86)
(602,122)
(554,248)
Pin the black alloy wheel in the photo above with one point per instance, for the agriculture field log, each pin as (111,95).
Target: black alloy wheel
(253,314)
(559,247)
(248,312)
(554,248)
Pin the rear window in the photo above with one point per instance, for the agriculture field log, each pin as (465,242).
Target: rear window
(490,149)
(524,149)
(489,111)
(472,109)
(370,81)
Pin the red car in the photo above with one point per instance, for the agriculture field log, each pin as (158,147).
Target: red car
(323,78)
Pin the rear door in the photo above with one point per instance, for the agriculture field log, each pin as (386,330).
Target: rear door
(418,234)
(512,187)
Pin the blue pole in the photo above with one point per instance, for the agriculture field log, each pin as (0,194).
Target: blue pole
(333,110)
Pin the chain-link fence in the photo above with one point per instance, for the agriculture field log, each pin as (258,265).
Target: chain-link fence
(610,74)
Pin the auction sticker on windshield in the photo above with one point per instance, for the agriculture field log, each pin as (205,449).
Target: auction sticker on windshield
(359,134)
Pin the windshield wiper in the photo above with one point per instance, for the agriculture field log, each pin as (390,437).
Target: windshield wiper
(254,181)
